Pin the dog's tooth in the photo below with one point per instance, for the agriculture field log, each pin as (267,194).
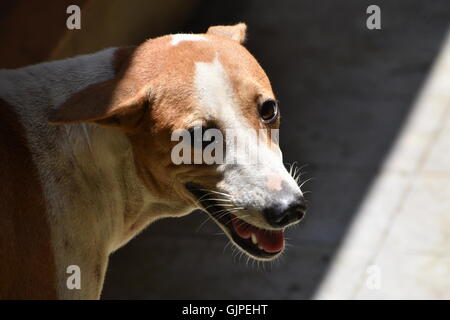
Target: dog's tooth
(254,239)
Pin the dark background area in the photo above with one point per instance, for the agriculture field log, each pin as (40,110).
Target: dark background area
(345,92)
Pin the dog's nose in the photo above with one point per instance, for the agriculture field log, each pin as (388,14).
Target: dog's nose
(280,215)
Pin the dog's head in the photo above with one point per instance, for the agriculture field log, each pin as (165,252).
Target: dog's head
(186,99)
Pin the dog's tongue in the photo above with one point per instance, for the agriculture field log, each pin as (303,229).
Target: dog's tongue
(268,240)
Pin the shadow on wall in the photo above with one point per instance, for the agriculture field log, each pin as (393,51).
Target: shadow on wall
(345,92)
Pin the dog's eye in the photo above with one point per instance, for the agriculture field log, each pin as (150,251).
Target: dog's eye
(268,110)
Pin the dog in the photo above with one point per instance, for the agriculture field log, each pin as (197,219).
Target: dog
(85,157)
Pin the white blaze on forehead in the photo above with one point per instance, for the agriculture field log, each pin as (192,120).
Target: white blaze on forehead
(216,95)
(177,38)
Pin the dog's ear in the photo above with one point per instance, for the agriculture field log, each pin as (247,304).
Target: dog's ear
(108,103)
(236,32)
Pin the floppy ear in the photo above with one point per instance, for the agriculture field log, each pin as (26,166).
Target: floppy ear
(237,32)
(108,103)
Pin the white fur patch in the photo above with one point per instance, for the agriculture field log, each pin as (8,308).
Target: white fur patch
(216,95)
(217,101)
(177,38)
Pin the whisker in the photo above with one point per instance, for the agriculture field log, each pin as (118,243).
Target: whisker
(226,246)
(222,205)
(307,180)
(218,199)
(219,214)
(216,192)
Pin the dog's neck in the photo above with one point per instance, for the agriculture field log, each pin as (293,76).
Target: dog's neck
(104,167)
(95,200)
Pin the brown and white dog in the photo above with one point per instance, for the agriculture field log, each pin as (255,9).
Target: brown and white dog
(85,157)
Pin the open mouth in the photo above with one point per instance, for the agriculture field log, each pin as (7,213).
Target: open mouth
(262,244)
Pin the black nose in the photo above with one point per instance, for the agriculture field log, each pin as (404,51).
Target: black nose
(281,215)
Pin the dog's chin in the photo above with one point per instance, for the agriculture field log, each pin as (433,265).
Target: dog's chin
(257,243)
